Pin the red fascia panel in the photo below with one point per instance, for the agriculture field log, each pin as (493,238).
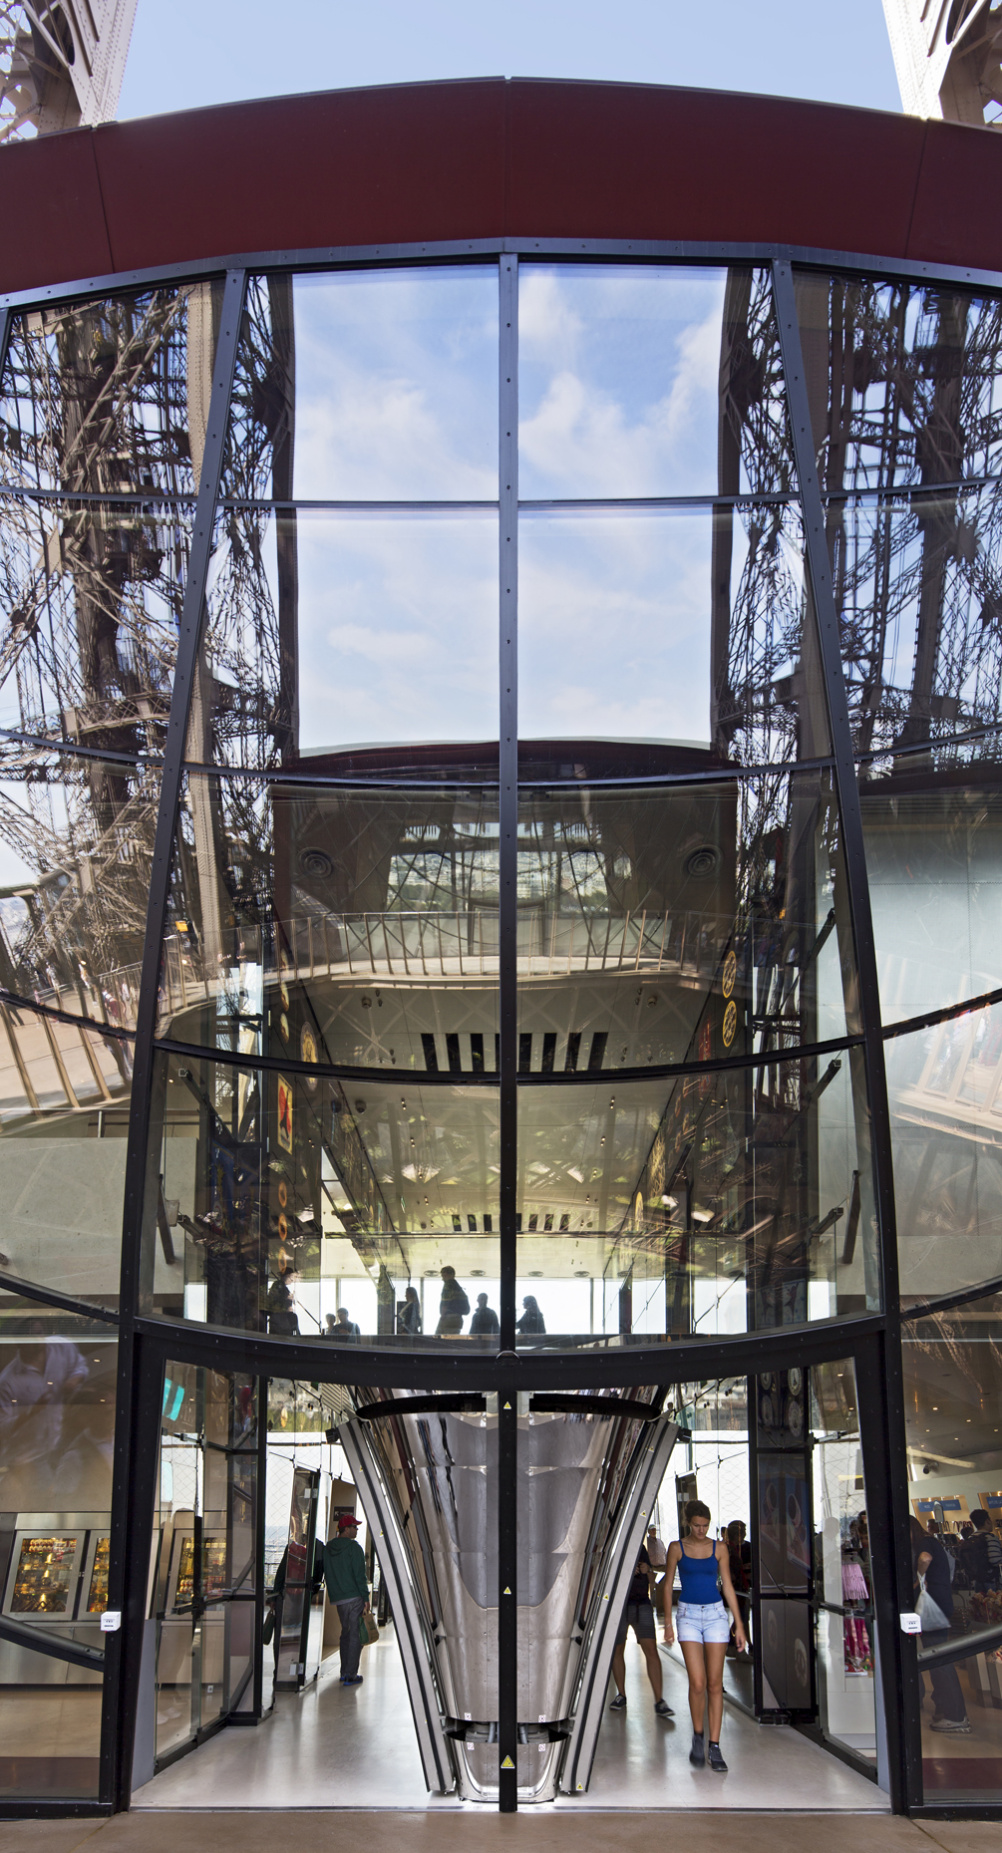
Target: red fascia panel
(956,219)
(631,161)
(455,161)
(402,164)
(51,211)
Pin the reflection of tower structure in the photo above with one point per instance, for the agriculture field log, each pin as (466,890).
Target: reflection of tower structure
(61,63)
(947,55)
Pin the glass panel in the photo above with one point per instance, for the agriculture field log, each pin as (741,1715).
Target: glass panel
(203,1574)
(695,1205)
(50,1727)
(680,923)
(76,849)
(64,1116)
(946,1138)
(918,584)
(336,924)
(368,385)
(844,1600)
(330,631)
(681,629)
(111,395)
(57,1428)
(644,380)
(92,595)
(953,1414)
(904,379)
(934,857)
(301,1198)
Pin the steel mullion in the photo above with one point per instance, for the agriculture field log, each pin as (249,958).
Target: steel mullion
(486,250)
(135,1415)
(891,1442)
(585,1367)
(508,1026)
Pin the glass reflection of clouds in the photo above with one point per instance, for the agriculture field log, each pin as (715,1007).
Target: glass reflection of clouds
(396,627)
(615,618)
(396,385)
(618,380)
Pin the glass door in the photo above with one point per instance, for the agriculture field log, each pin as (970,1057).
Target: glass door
(205,1581)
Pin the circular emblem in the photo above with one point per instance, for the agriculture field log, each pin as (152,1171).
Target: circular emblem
(730,1023)
(309,1052)
(283,1026)
(795,1417)
(283,1193)
(795,1380)
(730,973)
(283,1228)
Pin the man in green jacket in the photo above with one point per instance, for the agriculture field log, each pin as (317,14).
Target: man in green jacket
(344,1574)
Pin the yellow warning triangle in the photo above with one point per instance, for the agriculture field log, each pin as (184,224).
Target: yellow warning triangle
(506,1591)
(507,1763)
(507,1406)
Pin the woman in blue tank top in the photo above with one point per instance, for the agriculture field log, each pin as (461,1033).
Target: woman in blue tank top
(704,1626)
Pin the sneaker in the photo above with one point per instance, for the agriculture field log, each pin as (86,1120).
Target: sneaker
(715,1760)
(952,1727)
(697,1755)
(663,1710)
(357,1681)
(619,1702)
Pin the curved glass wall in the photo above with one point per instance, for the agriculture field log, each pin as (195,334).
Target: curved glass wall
(639,1037)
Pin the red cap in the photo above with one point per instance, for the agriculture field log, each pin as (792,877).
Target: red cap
(347,1522)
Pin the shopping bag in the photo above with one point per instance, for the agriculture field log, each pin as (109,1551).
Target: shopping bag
(368,1630)
(929,1612)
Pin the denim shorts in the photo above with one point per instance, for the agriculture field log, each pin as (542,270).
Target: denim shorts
(703,1621)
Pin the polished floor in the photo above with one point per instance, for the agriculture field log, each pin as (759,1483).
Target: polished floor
(488,1832)
(331,1748)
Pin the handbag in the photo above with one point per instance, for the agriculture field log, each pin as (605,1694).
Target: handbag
(929,1612)
(368,1630)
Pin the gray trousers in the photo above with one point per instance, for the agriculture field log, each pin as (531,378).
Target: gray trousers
(351,1639)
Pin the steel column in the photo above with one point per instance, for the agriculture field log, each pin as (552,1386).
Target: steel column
(890,1445)
(508,773)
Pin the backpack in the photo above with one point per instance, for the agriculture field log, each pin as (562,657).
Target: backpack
(463,1306)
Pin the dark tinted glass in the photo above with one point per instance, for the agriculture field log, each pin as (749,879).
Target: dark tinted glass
(904,380)
(696,1205)
(92,594)
(111,395)
(361,924)
(918,583)
(934,857)
(649,380)
(333,632)
(678,922)
(676,628)
(946,1136)
(289,1195)
(76,847)
(64,1116)
(368,386)
(953,1403)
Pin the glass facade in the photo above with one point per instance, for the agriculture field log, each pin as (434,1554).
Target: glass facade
(374,1015)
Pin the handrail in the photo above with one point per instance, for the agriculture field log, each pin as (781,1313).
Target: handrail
(964,1647)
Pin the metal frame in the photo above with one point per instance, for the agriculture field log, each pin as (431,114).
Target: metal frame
(145,1342)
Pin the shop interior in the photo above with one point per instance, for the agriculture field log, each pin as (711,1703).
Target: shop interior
(228,1719)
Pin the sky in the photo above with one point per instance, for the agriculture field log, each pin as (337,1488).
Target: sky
(189,53)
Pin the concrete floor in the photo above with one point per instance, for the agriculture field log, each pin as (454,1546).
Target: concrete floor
(331,1748)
